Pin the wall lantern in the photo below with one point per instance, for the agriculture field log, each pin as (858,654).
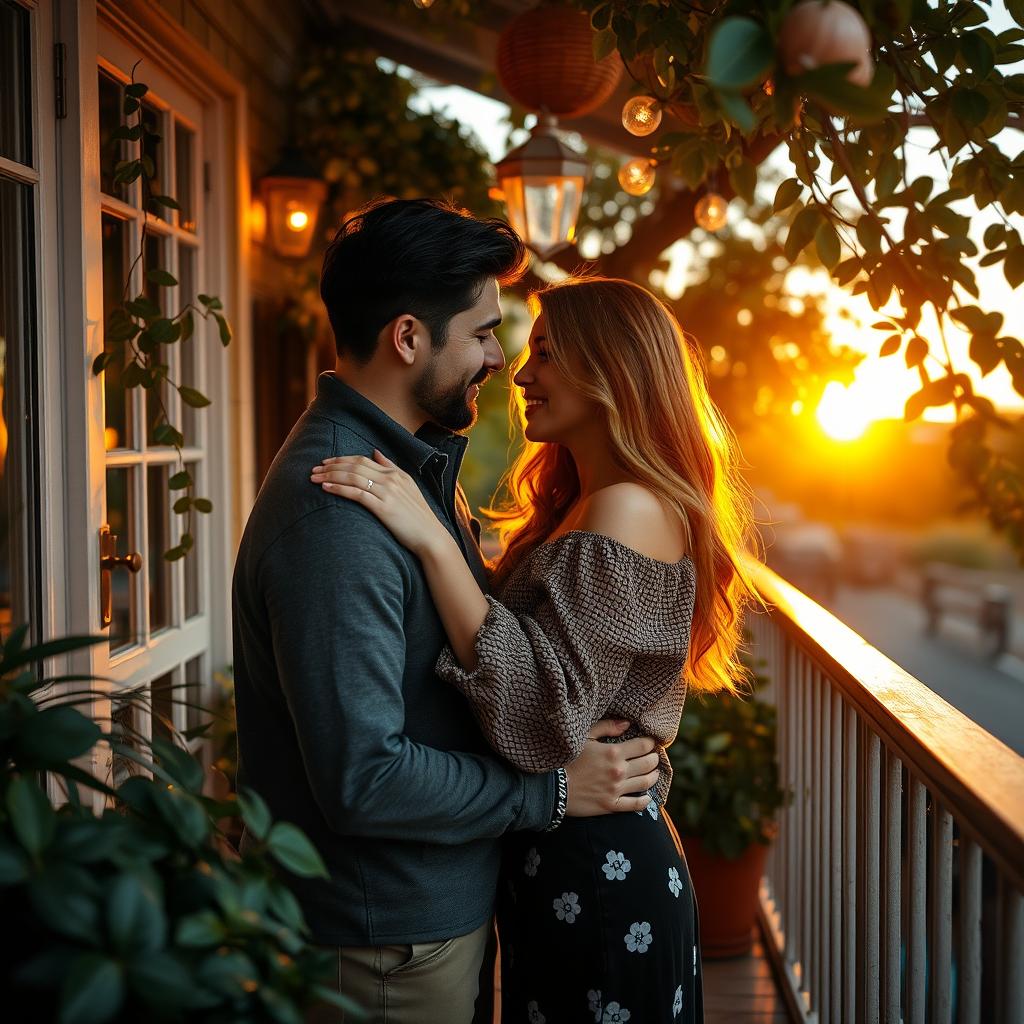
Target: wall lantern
(292,194)
(543,183)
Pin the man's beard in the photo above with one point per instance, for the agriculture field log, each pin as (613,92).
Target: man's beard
(448,406)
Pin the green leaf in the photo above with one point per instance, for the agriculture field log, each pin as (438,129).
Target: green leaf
(180,480)
(604,43)
(740,52)
(174,554)
(738,111)
(977,53)
(148,167)
(32,818)
(187,541)
(93,990)
(787,194)
(101,362)
(136,89)
(743,178)
(224,330)
(187,325)
(826,241)
(193,398)
(161,277)
(255,812)
(64,897)
(167,201)
(55,735)
(295,851)
(13,866)
(135,918)
(166,434)
(830,86)
(1013,267)
(970,106)
(182,505)
(869,234)
(802,230)
(200,930)
(917,350)
(144,307)
(203,505)
(164,331)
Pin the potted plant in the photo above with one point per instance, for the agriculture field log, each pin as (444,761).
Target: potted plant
(725,793)
(140,913)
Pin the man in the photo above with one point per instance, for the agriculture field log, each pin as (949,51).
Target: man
(343,727)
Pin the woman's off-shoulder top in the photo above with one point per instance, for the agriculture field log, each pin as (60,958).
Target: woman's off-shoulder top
(584,628)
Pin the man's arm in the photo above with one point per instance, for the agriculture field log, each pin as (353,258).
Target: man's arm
(335,585)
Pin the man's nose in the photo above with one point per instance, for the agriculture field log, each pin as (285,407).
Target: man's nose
(494,358)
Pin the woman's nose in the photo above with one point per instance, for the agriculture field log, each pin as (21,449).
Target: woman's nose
(524,376)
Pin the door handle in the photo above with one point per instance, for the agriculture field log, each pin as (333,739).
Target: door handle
(109,561)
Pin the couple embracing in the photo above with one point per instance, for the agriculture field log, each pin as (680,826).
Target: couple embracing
(467,742)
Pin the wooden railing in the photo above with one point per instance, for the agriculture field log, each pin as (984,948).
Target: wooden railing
(893,890)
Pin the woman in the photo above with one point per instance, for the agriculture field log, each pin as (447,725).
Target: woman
(619,585)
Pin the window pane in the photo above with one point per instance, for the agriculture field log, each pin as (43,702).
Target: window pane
(192,596)
(124,726)
(111,98)
(194,692)
(162,691)
(187,349)
(117,401)
(121,519)
(15,83)
(158,540)
(156,250)
(184,176)
(154,148)
(19,517)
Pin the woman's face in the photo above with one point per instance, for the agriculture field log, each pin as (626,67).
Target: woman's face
(555,410)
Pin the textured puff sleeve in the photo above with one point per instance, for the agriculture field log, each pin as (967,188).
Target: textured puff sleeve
(585,626)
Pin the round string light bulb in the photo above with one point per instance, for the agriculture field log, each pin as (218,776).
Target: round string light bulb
(711,211)
(641,115)
(423,4)
(637,176)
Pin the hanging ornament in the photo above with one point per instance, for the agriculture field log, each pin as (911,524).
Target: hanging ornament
(641,115)
(637,176)
(816,33)
(711,211)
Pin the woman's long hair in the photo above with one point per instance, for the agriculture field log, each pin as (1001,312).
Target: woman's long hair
(635,362)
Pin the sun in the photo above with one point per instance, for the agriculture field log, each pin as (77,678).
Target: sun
(841,414)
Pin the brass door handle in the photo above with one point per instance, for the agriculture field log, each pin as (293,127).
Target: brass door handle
(109,561)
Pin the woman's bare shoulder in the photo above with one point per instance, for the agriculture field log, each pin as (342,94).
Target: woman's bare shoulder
(635,516)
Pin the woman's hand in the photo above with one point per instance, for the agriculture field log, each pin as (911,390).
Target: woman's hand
(389,493)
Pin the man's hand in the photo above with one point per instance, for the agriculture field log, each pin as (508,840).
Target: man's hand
(603,776)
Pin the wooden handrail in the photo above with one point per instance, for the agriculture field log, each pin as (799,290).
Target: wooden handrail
(979,779)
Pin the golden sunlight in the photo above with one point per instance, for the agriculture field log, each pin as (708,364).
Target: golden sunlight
(843,415)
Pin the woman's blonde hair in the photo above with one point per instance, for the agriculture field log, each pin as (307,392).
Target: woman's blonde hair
(621,348)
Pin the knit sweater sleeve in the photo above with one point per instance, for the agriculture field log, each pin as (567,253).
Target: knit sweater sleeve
(591,609)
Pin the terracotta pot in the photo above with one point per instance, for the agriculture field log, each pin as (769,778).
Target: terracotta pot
(726,897)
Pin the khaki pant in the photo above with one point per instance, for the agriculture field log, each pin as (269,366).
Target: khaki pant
(422,983)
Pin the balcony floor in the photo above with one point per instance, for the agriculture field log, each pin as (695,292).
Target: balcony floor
(742,990)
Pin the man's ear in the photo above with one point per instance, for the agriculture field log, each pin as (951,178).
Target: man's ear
(406,337)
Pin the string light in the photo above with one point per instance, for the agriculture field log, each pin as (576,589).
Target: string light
(423,4)
(711,211)
(641,115)
(637,176)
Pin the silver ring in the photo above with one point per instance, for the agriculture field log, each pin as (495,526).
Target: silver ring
(369,484)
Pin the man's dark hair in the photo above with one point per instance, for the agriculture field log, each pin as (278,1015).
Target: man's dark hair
(426,257)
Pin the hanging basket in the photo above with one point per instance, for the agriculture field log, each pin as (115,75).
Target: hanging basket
(546,63)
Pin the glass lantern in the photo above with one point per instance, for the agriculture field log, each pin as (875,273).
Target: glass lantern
(292,194)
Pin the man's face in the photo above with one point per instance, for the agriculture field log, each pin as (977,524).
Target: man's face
(447,389)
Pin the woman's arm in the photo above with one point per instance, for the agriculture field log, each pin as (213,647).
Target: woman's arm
(393,496)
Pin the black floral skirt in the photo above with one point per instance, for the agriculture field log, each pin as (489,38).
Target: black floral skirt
(598,924)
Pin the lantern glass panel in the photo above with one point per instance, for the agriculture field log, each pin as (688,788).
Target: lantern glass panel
(552,205)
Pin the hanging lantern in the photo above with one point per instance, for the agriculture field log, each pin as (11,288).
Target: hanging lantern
(641,115)
(637,176)
(292,194)
(543,183)
(816,33)
(711,211)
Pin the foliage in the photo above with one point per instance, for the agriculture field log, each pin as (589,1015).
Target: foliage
(904,243)
(725,786)
(138,329)
(139,913)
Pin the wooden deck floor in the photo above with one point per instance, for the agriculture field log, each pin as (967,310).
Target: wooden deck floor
(742,990)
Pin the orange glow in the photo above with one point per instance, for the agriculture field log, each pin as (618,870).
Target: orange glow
(297,220)
(843,415)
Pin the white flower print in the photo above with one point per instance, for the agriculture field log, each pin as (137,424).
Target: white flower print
(617,867)
(675,883)
(567,906)
(532,862)
(615,1014)
(594,1004)
(677,1002)
(639,938)
(652,810)
(533,1012)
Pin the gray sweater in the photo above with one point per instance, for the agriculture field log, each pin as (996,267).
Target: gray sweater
(343,726)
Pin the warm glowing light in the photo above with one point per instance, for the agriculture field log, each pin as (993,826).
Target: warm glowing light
(297,220)
(641,115)
(258,221)
(768,87)
(711,211)
(637,176)
(111,439)
(841,415)
(423,4)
